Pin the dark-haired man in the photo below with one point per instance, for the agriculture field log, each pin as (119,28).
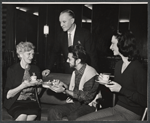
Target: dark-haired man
(72,35)
(82,89)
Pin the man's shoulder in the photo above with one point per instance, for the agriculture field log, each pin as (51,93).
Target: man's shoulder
(62,33)
(81,29)
(90,70)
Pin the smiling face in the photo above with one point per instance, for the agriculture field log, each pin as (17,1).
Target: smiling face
(71,60)
(114,46)
(66,21)
(26,57)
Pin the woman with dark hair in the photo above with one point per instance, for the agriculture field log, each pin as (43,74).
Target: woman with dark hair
(130,83)
(22,86)
(127,45)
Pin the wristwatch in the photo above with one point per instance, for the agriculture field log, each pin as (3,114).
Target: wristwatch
(65,90)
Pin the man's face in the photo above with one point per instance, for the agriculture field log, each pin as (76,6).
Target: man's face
(66,21)
(71,60)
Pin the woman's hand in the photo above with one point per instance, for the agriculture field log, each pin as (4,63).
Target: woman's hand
(28,83)
(45,73)
(24,84)
(113,86)
(39,81)
(100,80)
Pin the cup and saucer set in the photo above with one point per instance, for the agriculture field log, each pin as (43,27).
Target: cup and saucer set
(104,78)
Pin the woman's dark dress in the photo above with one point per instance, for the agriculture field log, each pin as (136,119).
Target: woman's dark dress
(14,106)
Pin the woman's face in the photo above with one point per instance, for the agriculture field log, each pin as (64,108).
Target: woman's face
(26,57)
(114,46)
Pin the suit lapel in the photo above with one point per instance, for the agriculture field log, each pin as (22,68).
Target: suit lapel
(66,40)
(76,37)
(64,44)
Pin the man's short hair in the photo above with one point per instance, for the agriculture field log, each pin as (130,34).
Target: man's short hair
(78,52)
(70,12)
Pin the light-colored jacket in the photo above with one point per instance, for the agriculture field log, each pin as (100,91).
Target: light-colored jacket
(87,75)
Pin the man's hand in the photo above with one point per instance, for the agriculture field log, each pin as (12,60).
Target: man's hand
(45,73)
(69,100)
(63,84)
(39,89)
(57,89)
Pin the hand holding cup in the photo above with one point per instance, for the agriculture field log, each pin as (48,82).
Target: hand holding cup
(45,73)
(113,86)
(103,78)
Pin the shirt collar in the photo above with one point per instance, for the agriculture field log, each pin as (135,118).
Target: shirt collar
(28,68)
(73,31)
(81,70)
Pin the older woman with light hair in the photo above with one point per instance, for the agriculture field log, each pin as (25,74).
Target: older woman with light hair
(23,85)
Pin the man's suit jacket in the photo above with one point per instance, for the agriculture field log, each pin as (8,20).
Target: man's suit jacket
(81,35)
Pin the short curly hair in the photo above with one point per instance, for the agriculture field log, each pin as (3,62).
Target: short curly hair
(127,44)
(78,52)
(24,47)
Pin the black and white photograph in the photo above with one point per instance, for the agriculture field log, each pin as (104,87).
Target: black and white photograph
(74,61)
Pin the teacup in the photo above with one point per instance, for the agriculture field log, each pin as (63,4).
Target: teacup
(105,76)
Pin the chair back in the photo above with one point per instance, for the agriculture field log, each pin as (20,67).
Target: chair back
(144,114)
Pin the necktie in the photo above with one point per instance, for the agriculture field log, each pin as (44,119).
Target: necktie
(69,40)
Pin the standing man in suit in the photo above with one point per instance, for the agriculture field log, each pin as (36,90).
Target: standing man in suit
(72,35)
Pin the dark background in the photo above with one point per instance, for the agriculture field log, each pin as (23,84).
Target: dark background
(19,26)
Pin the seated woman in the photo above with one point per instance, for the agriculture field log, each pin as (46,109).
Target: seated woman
(21,99)
(130,83)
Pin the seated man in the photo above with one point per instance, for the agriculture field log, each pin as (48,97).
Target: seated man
(82,89)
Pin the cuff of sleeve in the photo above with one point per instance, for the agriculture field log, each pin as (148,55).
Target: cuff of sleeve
(122,90)
(65,91)
(76,94)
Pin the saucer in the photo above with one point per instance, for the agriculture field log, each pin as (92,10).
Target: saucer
(45,86)
(102,81)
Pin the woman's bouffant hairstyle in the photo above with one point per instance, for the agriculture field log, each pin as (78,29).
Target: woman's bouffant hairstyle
(24,47)
(127,44)
(78,52)
(70,12)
